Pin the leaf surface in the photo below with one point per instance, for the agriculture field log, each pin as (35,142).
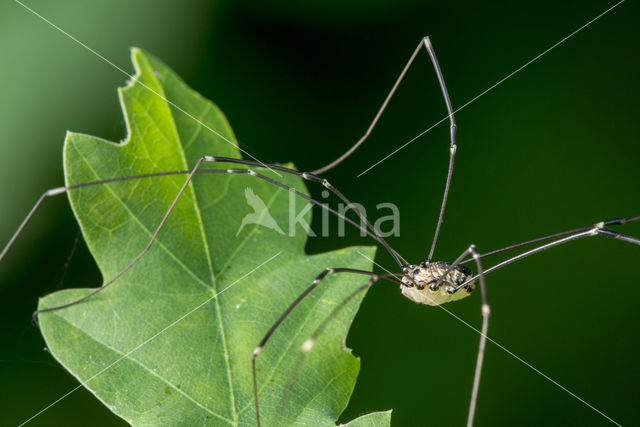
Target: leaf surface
(170,342)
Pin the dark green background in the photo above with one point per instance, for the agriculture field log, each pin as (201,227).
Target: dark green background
(552,148)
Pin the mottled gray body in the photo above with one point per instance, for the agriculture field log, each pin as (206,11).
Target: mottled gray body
(420,283)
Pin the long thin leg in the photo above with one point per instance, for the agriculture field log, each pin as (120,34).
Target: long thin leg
(314,178)
(171,207)
(374,278)
(426,42)
(595,230)
(138,257)
(62,190)
(453,131)
(452,126)
(306,176)
(616,221)
(376,117)
(486,312)
(308,344)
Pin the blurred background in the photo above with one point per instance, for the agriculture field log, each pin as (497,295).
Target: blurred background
(552,148)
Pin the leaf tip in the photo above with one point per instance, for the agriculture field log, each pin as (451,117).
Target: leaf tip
(136,53)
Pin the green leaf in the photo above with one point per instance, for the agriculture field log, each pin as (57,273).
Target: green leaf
(373,419)
(170,342)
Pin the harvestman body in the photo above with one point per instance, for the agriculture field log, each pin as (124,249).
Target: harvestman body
(430,283)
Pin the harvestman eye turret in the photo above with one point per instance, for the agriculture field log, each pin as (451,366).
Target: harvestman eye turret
(429,283)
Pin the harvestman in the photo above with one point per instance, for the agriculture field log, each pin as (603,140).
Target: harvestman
(430,283)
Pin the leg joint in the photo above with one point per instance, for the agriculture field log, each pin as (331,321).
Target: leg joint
(486,311)
(256,352)
(55,191)
(311,177)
